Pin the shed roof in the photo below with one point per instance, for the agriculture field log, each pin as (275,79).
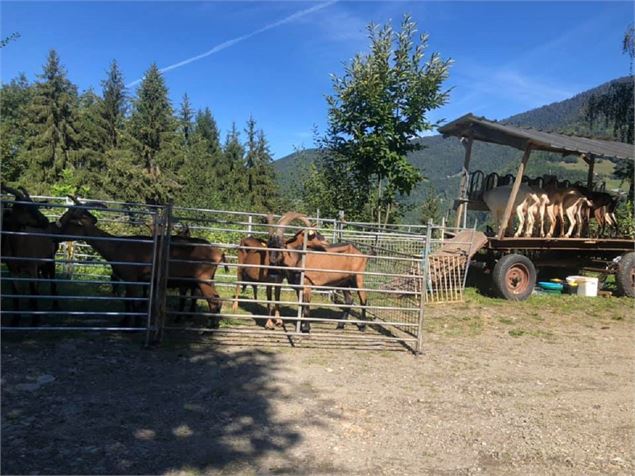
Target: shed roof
(491,131)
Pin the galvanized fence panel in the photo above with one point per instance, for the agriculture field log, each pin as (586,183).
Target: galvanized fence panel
(192,259)
(53,278)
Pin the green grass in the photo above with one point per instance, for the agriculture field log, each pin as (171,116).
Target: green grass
(541,316)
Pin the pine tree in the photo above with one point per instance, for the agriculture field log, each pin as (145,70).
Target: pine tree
(267,196)
(52,116)
(114,104)
(205,126)
(152,134)
(185,119)
(14,100)
(231,170)
(251,160)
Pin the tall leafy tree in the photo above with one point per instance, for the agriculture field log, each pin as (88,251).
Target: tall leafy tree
(378,107)
(114,104)
(152,132)
(52,119)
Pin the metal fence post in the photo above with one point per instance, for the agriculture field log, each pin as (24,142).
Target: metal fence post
(162,273)
(424,287)
(150,322)
(298,326)
(249,224)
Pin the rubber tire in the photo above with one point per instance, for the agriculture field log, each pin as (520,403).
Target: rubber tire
(624,275)
(499,275)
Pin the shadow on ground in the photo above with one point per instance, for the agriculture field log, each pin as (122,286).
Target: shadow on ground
(106,406)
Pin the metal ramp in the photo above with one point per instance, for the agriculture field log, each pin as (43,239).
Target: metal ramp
(447,265)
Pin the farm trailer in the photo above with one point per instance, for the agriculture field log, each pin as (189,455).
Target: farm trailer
(512,264)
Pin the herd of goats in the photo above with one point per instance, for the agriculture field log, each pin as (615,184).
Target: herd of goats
(30,242)
(576,204)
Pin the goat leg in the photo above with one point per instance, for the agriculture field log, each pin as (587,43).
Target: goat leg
(35,320)
(521,219)
(269,324)
(348,299)
(305,326)
(363,298)
(15,320)
(276,306)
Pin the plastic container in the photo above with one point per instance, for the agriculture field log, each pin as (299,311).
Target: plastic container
(573,280)
(588,287)
(550,286)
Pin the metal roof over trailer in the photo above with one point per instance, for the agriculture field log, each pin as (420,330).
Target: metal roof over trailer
(485,130)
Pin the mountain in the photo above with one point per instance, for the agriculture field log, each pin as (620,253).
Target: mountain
(441,159)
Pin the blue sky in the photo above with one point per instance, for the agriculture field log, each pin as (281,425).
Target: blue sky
(273,59)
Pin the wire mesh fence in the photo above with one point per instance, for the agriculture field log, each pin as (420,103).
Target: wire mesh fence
(166,269)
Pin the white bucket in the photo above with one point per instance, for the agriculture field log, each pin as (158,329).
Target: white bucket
(588,287)
(574,280)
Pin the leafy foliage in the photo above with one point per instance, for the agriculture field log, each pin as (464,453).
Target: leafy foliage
(379,105)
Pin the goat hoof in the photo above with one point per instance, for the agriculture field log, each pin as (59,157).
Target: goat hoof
(269,325)
(361,327)
(340,326)
(305,327)
(279,323)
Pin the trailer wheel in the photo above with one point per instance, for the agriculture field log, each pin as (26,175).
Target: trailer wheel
(514,277)
(625,275)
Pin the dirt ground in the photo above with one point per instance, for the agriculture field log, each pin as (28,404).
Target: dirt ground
(542,387)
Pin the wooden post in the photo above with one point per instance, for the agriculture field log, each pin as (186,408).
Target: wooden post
(467,143)
(589,180)
(512,196)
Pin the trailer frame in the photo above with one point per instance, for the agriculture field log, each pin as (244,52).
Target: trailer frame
(526,256)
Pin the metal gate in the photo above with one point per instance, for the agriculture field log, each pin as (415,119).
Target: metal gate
(171,269)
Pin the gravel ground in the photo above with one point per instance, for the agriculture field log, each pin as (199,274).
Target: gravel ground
(499,390)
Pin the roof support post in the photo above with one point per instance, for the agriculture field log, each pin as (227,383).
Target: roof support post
(465,175)
(503,225)
(589,180)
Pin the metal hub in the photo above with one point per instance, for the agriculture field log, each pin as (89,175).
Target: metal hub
(517,278)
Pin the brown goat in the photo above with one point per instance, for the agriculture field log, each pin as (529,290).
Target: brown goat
(325,269)
(253,259)
(192,263)
(27,218)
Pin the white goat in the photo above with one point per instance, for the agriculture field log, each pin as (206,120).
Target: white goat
(527,204)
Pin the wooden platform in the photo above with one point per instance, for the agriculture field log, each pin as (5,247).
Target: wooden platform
(569,244)
(464,243)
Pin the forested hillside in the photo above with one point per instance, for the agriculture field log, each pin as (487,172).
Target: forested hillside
(441,159)
(128,145)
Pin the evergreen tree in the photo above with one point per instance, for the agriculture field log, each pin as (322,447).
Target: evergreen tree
(93,140)
(185,118)
(205,126)
(114,104)
(14,100)
(251,160)
(52,117)
(152,137)
(267,196)
(231,171)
